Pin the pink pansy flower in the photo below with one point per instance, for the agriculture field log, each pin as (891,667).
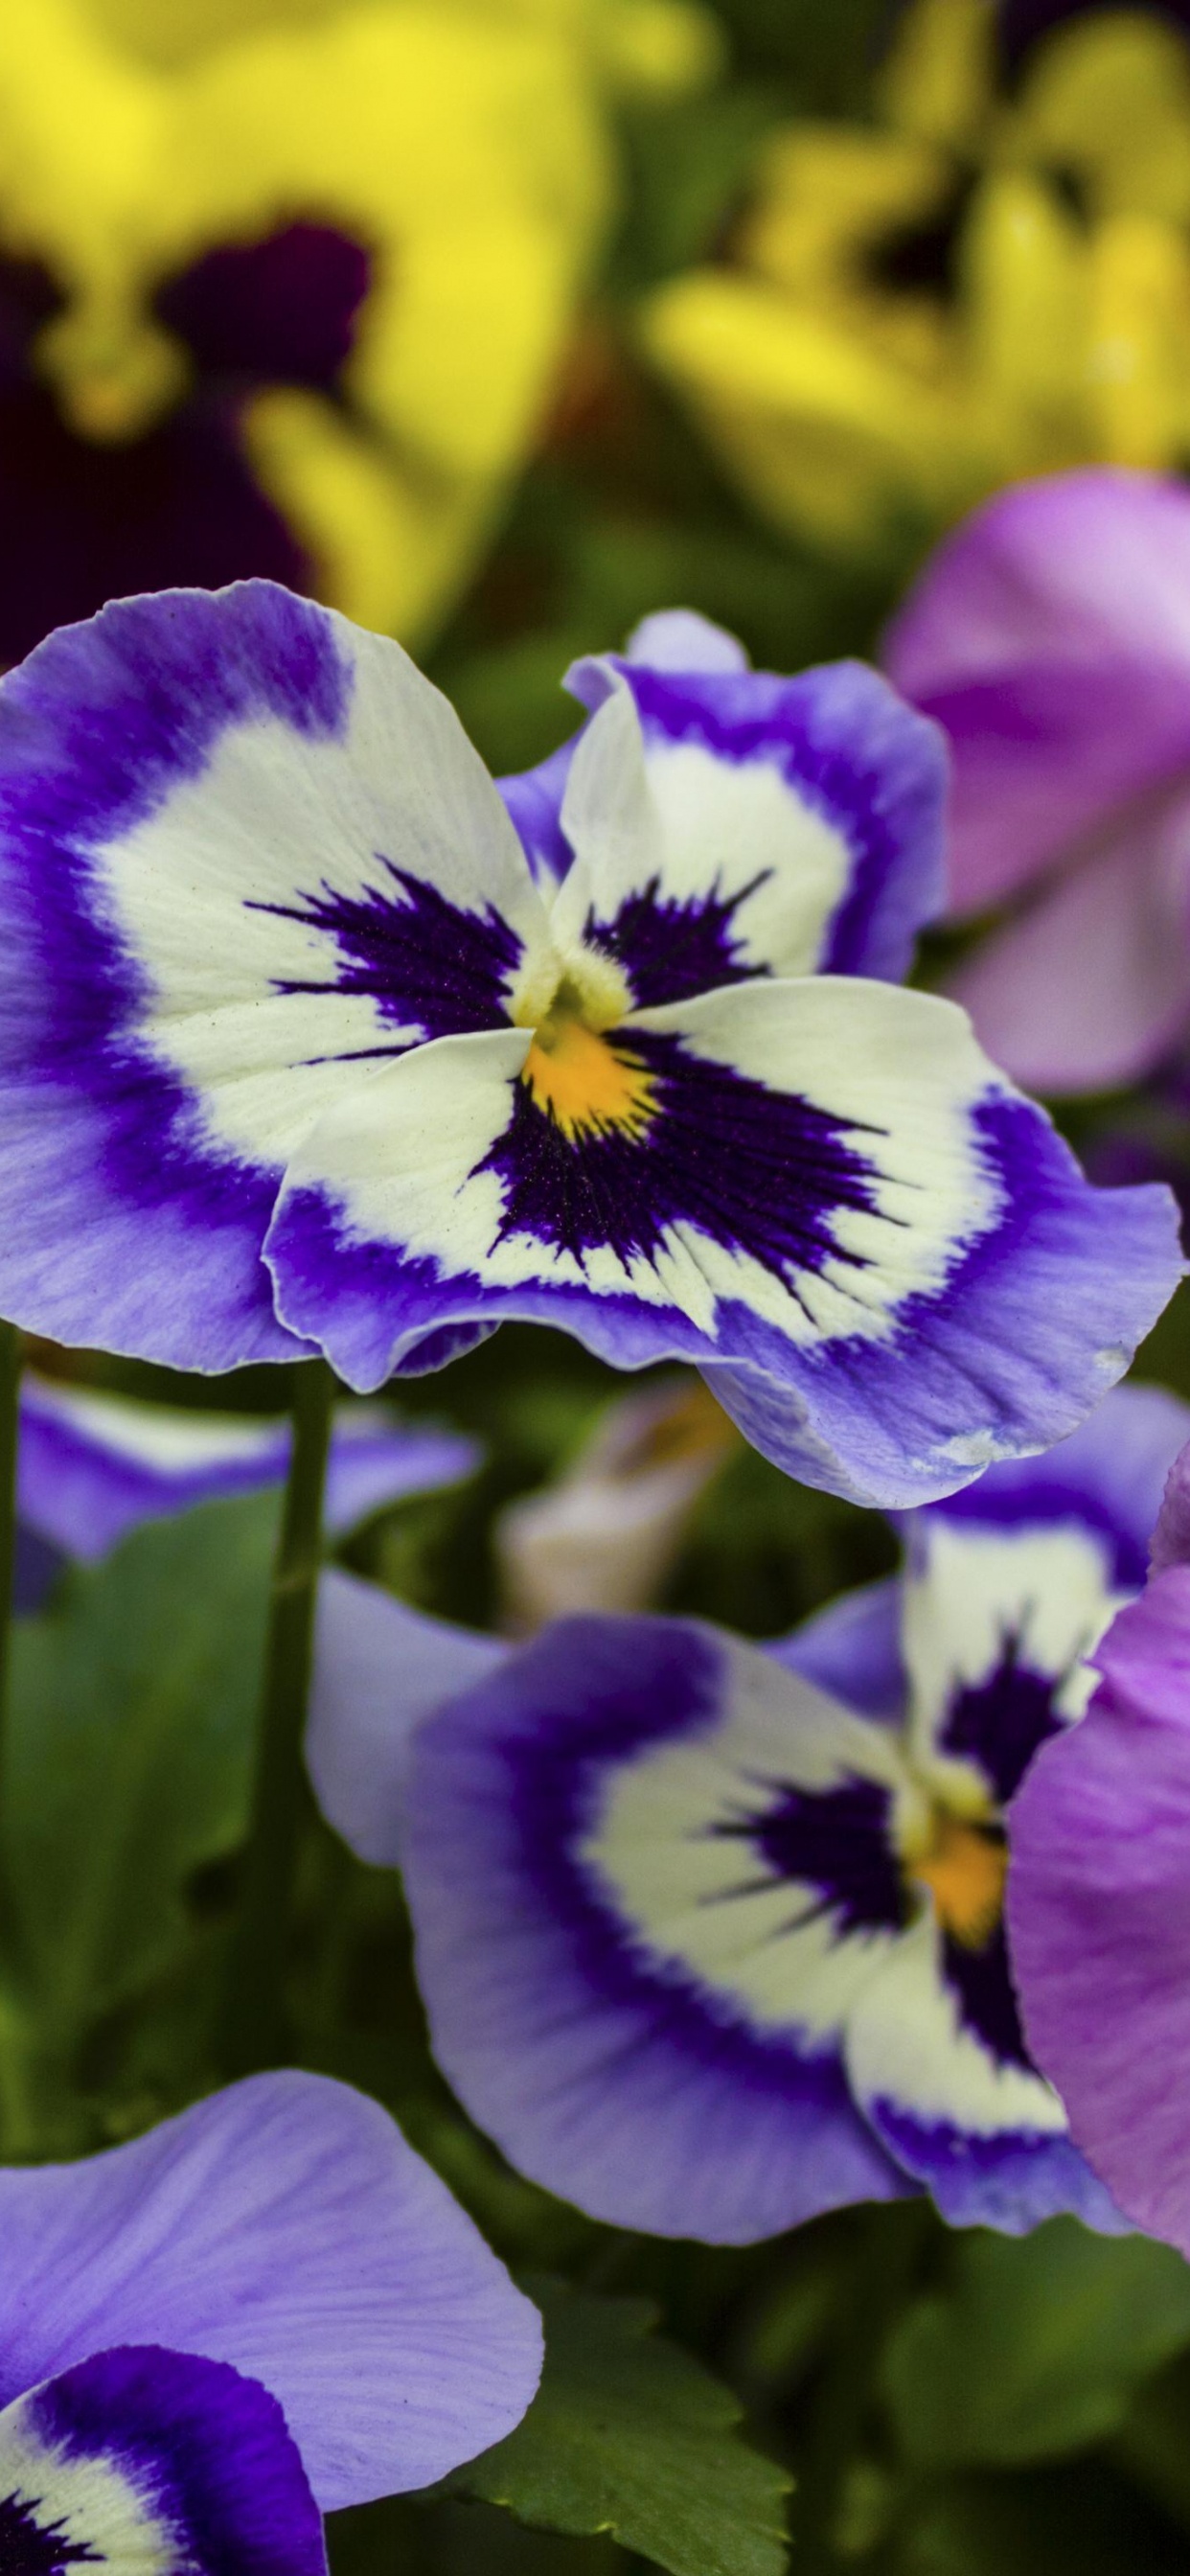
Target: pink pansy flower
(1099,1897)
(1051,637)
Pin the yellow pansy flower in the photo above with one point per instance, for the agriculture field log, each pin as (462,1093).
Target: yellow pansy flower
(284,300)
(968,290)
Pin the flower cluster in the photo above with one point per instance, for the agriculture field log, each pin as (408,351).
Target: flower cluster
(320,1046)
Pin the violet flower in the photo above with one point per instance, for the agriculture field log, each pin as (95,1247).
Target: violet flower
(1050,637)
(1099,1896)
(301,1046)
(710,1937)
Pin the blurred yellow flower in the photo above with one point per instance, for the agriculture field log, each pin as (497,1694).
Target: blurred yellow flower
(970,290)
(338,243)
(639,44)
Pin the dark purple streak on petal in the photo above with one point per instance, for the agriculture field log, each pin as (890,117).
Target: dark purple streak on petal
(426,962)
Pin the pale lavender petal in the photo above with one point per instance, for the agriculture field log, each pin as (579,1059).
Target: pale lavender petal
(1067,568)
(679,639)
(145,2459)
(1099,1912)
(379,1669)
(604,1535)
(1091,985)
(852,1650)
(286,2227)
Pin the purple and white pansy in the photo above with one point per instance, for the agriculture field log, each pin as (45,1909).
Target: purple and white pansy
(91,1467)
(298,1049)
(265,2309)
(711,1937)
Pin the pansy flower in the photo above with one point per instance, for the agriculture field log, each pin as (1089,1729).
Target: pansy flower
(92,1466)
(1099,1896)
(1048,636)
(298,1051)
(263,2310)
(711,1937)
(288,304)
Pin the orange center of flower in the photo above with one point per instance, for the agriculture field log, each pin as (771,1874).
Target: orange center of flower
(964,1866)
(583,1082)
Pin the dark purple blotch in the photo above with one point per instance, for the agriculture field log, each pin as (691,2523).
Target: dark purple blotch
(836,1840)
(427,963)
(671,948)
(178,506)
(760,1172)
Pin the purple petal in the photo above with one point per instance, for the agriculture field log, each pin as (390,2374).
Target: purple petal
(92,1467)
(650,2091)
(1099,1912)
(1171,1536)
(379,1669)
(1090,985)
(533,799)
(1049,638)
(852,1650)
(283,2226)
(144,2457)
(1046,1304)
(209,804)
(1110,1474)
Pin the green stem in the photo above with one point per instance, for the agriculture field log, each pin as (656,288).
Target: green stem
(885,2255)
(10,1391)
(253,2031)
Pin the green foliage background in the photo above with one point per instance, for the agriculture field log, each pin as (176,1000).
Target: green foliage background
(904,2400)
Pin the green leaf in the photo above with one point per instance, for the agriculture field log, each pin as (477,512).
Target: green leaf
(129,1753)
(628,2435)
(1037,2345)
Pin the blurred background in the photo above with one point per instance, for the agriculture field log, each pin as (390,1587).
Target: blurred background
(499,324)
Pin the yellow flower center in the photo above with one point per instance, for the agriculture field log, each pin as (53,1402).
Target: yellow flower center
(964,1866)
(577,1077)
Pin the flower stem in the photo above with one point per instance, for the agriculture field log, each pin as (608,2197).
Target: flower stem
(10,1393)
(253,2025)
